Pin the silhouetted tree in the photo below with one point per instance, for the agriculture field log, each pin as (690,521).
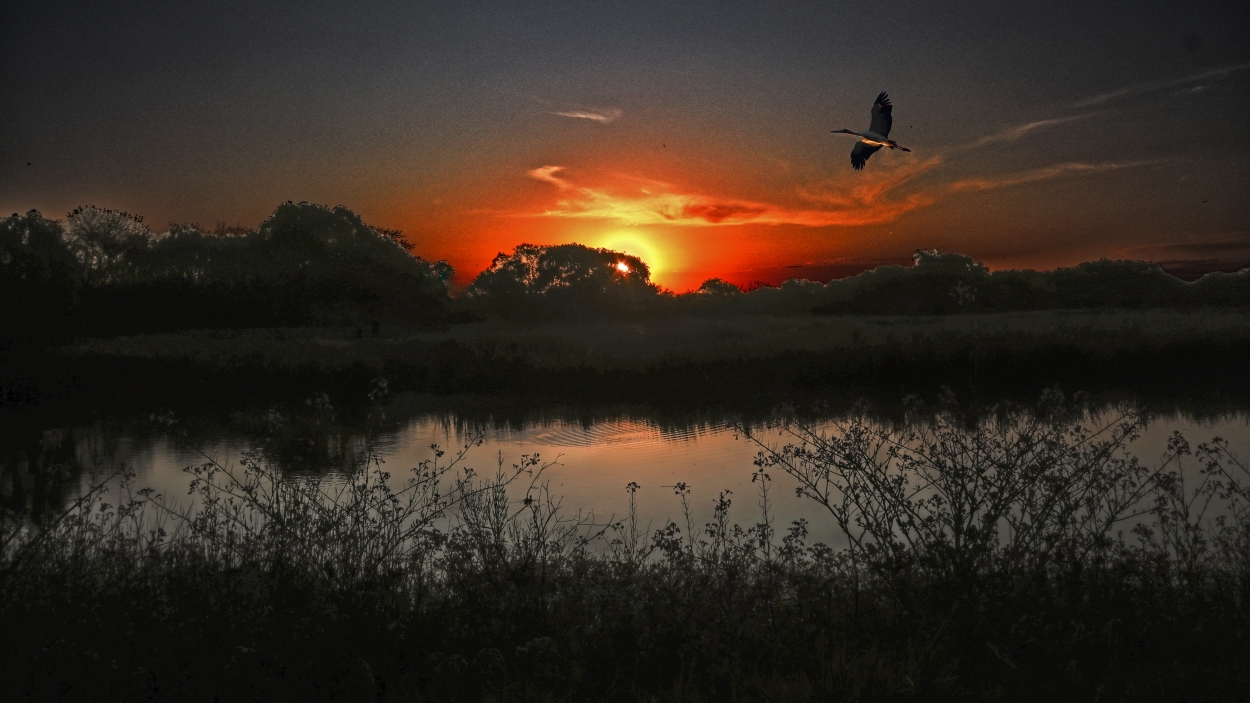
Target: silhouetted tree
(1222,289)
(305,264)
(111,246)
(332,264)
(566,278)
(937,283)
(718,287)
(40,277)
(1117,284)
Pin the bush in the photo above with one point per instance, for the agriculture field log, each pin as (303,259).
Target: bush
(985,559)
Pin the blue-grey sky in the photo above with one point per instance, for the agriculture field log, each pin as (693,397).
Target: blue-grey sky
(696,135)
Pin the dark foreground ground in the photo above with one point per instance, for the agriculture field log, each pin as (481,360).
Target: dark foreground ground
(1025,581)
(1012,577)
(510,628)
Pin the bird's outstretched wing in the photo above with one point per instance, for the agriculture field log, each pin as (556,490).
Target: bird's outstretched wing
(860,154)
(881,118)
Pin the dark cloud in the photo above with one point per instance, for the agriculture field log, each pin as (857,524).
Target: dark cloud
(1217,249)
(719,212)
(1191,260)
(820,271)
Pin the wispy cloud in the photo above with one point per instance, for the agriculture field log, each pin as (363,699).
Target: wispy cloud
(1011,134)
(548,174)
(856,201)
(601,116)
(1190,91)
(1142,88)
(1219,247)
(657,203)
(1041,174)
(1224,251)
(869,197)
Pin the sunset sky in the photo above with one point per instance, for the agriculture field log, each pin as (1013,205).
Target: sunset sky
(694,135)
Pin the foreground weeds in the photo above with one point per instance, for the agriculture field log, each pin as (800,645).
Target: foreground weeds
(1025,556)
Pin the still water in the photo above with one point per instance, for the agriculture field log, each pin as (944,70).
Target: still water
(590,463)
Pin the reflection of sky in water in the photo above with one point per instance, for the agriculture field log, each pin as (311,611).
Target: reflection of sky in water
(594,462)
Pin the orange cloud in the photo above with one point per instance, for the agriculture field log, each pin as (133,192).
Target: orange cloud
(865,200)
(548,174)
(856,200)
(658,203)
(716,213)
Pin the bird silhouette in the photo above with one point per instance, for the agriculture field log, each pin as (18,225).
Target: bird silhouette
(876,136)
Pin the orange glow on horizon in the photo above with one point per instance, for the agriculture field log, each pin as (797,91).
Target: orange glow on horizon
(685,221)
(651,202)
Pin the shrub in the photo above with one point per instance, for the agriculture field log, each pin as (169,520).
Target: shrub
(985,558)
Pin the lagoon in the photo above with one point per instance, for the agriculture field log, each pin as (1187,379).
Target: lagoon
(588,462)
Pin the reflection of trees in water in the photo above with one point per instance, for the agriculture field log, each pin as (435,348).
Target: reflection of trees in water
(41,470)
(305,443)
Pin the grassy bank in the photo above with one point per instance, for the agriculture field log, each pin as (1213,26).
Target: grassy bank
(988,559)
(741,364)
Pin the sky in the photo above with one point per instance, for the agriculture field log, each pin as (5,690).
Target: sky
(694,135)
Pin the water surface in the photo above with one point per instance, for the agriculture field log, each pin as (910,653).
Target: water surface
(588,463)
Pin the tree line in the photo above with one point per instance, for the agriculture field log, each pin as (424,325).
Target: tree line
(103,271)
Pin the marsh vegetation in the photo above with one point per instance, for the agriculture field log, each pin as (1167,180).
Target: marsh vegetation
(1018,555)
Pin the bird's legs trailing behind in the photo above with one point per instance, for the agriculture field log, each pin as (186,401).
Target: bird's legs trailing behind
(876,136)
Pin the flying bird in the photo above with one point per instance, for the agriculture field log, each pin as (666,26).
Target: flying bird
(876,135)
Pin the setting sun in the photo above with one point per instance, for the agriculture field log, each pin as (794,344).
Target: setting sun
(660,255)
(622,267)
(635,243)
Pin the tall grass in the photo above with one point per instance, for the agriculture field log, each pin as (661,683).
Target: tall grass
(744,365)
(1016,495)
(614,345)
(1014,556)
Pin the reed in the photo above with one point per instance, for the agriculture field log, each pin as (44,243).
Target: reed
(1015,555)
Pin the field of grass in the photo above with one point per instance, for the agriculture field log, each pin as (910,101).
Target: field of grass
(615,345)
(747,364)
(988,559)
